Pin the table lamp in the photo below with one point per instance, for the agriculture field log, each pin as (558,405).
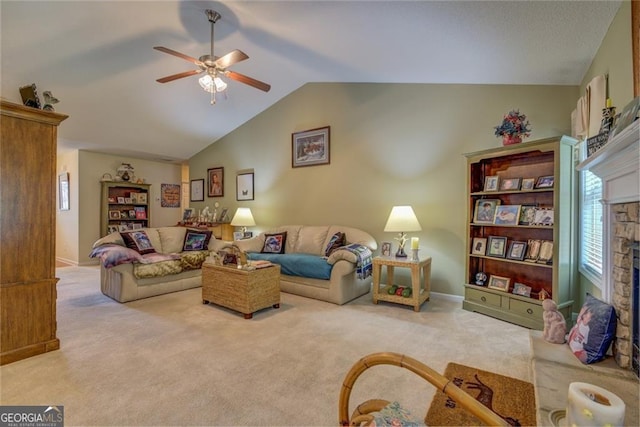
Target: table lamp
(243,218)
(402,219)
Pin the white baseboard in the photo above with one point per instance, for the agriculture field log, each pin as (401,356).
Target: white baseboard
(439,295)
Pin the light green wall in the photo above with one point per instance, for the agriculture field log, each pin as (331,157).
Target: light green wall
(614,57)
(391,144)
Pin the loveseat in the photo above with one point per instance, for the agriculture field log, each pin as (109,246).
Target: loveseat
(326,262)
(168,259)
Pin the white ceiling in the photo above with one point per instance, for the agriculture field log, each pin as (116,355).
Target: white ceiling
(97,57)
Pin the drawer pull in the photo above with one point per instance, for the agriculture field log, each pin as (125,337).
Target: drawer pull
(483,299)
(529,311)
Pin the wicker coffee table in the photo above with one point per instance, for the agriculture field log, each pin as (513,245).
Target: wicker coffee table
(246,291)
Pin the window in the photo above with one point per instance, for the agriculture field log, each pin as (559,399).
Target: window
(591,227)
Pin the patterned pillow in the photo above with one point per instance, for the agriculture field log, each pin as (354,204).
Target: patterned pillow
(591,336)
(274,243)
(196,240)
(138,241)
(336,241)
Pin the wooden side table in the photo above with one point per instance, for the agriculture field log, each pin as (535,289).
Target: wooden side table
(246,291)
(420,289)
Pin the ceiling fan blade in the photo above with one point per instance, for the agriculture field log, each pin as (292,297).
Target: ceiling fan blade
(248,80)
(179,55)
(179,76)
(231,58)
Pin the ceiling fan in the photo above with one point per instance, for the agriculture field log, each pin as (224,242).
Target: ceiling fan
(214,66)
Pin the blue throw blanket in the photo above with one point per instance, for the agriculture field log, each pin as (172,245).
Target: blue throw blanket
(364,267)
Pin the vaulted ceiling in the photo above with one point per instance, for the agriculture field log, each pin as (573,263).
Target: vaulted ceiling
(97,57)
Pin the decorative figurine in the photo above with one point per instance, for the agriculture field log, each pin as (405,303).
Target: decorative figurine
(49,100)
(555,327)
(481,278)
(543,295)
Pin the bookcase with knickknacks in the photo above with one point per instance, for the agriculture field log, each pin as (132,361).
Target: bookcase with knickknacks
(520,233)
(125,206)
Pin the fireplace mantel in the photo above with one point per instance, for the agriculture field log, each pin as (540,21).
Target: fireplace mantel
(618,164)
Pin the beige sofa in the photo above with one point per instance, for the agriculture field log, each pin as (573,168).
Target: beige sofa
(132,280)
(343,284)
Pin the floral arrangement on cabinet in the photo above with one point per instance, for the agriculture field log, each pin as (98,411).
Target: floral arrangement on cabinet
(514,126)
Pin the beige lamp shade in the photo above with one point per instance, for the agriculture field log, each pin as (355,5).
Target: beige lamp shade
(243,218)
(402,219)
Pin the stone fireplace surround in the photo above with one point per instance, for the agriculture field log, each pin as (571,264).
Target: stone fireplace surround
(618,164)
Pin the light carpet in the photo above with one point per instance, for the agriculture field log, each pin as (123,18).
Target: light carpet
(170,360)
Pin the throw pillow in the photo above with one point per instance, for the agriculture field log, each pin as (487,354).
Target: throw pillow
(591,336)
(196,240)
(336,241)
(138,241)
(274,243)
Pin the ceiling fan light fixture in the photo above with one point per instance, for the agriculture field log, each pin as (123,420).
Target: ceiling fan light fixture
(219,84)
(212,84)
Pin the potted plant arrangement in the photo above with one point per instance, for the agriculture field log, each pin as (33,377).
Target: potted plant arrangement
(513,127)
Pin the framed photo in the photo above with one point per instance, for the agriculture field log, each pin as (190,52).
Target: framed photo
(114,214)
(132,213)
(499,283)
(197,190)
(137,225)
(244,186)
(544,216)
(510,184)
(385,249)
(134,197)
(112,199)
(485,211)
(188,213)
(507,215)
(497,246)
(479,246)
(63,191)
(491,183)
(238,235)
(121,200)
(142,198)
(528,184)
(521,289)
(527,215)
(223,214)
(545,182)
(310,147)
(533,250)
(546,252)
(112,229)
(170,195)
(122,227)
(216,182)
(517,250)
(247,235)
(127,200)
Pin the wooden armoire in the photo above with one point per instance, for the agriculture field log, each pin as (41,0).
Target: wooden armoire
(28,138)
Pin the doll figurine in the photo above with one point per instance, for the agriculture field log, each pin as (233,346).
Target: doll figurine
(555,327)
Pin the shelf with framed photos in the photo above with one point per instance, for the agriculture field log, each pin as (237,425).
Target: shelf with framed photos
(520,230)
(124,206)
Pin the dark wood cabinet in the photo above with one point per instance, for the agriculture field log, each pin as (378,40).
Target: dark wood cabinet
(28,231)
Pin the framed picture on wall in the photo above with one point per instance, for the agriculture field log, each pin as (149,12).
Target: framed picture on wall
(197,190)
(63,191)
(216,182)
(244,186)
(310,147)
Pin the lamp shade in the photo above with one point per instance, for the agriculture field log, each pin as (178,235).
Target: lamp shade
(243,218)
(402,219)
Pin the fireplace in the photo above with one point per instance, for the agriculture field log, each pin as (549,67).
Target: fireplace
(618,164)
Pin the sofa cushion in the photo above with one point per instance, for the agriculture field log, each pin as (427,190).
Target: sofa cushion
(196,240)
(591,336)
(302,265)
(138,241)
(336,241)
(310,240)
(274,243)
(172,239)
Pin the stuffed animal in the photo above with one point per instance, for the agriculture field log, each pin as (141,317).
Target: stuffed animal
(555,326)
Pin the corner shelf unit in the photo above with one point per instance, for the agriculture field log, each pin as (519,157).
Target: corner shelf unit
(121,199)
(548,157)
